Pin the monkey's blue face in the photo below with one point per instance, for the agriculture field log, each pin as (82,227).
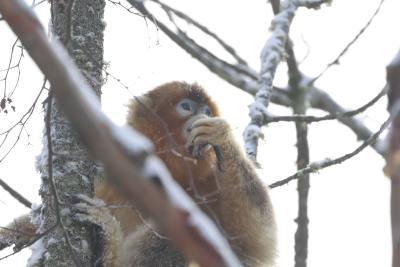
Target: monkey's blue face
(186,108)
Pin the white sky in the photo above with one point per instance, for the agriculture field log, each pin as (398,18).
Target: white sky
(349,203)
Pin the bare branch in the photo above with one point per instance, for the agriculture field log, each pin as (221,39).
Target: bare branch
(20,123)
(303,185)
(204,29)
(316,166)
(321,100)
(311,119)
(347,47)
(15,194)
(147,183)
(128,9)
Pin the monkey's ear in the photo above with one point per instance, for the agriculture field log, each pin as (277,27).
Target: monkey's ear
(140,105)
(143,101)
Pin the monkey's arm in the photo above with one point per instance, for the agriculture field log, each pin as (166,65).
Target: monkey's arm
(244,208)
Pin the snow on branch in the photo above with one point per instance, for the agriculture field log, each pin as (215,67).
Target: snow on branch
(271,55)
(315,4)
(134,169)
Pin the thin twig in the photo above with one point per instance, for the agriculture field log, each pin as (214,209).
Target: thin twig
(311,119)
(347,47)
(316,166)
(128,9)
(204,29)
(8,67)
(22,123)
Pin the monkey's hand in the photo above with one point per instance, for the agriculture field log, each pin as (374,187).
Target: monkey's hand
(205,132)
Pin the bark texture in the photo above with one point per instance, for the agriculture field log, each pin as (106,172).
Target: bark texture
(79,25)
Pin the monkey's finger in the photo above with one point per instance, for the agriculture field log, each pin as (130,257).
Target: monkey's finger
(198,131)
(200,144)
(206,122)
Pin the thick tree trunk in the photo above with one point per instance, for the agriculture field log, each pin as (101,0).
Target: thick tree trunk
(78,24)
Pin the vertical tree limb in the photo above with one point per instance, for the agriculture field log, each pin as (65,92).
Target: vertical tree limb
(303,184)
(392,168)
(299,92)
(271,56)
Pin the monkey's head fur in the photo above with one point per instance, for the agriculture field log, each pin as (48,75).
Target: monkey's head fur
(164,115)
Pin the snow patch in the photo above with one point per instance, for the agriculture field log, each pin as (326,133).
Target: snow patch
(37,252)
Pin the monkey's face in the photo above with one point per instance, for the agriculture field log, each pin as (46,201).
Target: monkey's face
(190,111)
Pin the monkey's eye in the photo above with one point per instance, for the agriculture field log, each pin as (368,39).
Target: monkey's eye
(186,106)
(208,112)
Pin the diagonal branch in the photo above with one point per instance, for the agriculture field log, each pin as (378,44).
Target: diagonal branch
(321,100)
(15,194)
(316,166)
(204,29)
(347,47)
(311,119)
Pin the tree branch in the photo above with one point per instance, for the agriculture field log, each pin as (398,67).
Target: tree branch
(347,47)
(15,194)
(271,56)
(316,166)
(311,119)
(392,168)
